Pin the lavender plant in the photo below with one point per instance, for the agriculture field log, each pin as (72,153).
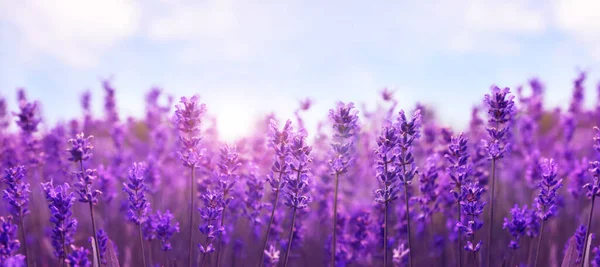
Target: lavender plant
(138,203)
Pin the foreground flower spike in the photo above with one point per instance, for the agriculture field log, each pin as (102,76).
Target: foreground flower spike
(579,241)
(102,243)
(593,188)
(501,111)
(79,257)
(459,171)
(9,244)
(17,195)
(387,174)
(546,199)
(210,213)
(137,202)
(408,132)
(296,183)
(279,141)
(517,227)
(472,207)
(227,177)
(399,254)
(188,116)
(80,151)
(28,120)
(345,128)
(60,202)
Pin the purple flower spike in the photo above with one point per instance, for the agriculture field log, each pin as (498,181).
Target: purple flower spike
(79,257)
(272,257)
(60,202)
(165,229)
(188,116)
(596,259)
(102,243)
(501,111)
(472,207)
(81,148)
(549,185)
(517,225)
(28,118)
(136,189)
(17,193)
(9,244)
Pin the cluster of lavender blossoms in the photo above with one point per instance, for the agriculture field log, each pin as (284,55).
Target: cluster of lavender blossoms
(379,187)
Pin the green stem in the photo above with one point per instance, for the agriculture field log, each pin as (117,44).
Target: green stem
(406,200)
(335,200)
(23,236)
(385,234)
(262,252)
(191,224)
(458,239)
(491,219)
(219,239)
(289,247)
(141,246)
(537,253)
(93,221)
(587,230)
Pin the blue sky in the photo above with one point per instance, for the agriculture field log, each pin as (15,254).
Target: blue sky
(246,58)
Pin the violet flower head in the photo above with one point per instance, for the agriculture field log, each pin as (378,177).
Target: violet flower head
(227,171)
(580,241)
(386,172)
(14,261)
(60,203)
(387,94)
(110,102)
(210,213)
(517,225)
(428,186)
(165,229)
(136,189)
(549,185)
(9,244)
(279,141)
(81,148)
(297,181)
(253,200)
(399,254)
(85,191)
(596,260)
(4,118)
(472,207)
(578,90)
(188,116)
(102,243)
(501,111)
(457,156)
(345,129)
(17,191)
(29,117)
(408,132)
(271,257)
(79,257)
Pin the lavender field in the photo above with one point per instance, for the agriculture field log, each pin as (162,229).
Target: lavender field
(392,186)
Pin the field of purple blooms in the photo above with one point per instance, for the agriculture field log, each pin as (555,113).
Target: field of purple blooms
(386,187)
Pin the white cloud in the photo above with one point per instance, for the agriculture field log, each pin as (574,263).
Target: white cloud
(580,19)
(74,31)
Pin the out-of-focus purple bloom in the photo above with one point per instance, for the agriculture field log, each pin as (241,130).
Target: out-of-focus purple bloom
(408,132)
(79,257)
(578,90)
(9,244)
(272,257)
(81,148)
(279,141)
(4,118)
(533,223)
(110,102)
(188,116)
(136,189)
(578,177)
(429,188)
(549,185)
(517,225)
(84,186)
(472,207)
(102,243)
(596,259)
(253,199)
(399,254)
(14,261)
(17,191)
(501,110)
(165,228)
(29,117)
(580,241)
(60,203)
(361,237)
(386,171)
(297,181)
(210,213)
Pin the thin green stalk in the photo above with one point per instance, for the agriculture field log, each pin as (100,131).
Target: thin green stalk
(23,236)
(219,239)
(94,234)
(537,253)
(589,224)
(406,200)
(262,252)
(385,234)
(335,200)
(458,239)
(473,242)
(289,247)
(191,228)
(141,247)
(491,219)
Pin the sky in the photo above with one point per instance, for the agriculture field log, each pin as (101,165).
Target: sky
(247,58)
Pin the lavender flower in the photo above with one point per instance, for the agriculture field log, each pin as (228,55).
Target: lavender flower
(546,199)
(135,189)
(188,116)
(210,213)
(596,259)
(60,203)
(580,242)
(227,177)
(165,229)
(9,244)
(17,191)
(578,90)
(79,257)
(81,148)
(399,254)
(28,118)
(472,207)
(501,110)
(272,257)
(517,225)
(14,261)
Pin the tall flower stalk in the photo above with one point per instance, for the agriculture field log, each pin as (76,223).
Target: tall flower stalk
(459,171)
(296,183)
(60,202)
(500,110)
(17,195)
(279,141)
(345,129)
(188,116)
(227,176)
(593,188)
(9,243)
(137,208)
(408,132)
(213,207)
(546,199)
(472,207)
(387,174)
